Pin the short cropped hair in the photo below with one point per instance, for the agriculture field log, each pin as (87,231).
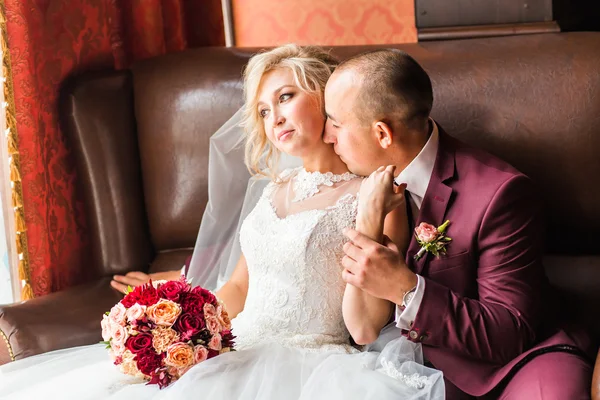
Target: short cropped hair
(394,88)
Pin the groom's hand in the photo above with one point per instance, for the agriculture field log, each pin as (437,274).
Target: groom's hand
(378,269)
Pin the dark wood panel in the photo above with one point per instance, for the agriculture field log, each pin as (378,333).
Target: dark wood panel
(478,31)
(438,13)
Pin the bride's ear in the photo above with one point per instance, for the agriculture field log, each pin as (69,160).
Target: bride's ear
(383,134)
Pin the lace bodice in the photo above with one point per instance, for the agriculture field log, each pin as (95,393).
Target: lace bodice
(295,275)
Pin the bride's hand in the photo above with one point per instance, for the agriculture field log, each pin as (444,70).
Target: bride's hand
(137,278)
(378,195)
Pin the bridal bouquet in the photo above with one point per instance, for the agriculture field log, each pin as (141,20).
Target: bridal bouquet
(161,329)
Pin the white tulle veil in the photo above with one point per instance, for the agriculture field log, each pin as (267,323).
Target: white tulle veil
(232,194)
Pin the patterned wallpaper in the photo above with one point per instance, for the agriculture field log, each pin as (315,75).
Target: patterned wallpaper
(260,23)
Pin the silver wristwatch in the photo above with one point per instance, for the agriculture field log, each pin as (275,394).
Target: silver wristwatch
(408,296)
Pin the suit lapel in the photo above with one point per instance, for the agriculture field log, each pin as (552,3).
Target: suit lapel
(436,200)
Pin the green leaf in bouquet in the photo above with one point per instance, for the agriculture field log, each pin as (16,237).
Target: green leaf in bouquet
(129,289)
(107,343)
(107,313)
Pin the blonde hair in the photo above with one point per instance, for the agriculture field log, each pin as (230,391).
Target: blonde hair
(311,65)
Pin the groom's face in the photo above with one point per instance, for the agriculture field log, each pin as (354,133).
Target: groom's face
(353,140)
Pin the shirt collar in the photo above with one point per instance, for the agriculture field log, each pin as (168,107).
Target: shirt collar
(417,174)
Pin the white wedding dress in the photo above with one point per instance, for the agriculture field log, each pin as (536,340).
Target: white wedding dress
(291,339)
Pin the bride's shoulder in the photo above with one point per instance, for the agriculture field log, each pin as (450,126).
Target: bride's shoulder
(281,178)
(286,174)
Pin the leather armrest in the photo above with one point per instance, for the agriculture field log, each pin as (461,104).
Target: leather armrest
(59,320)
(596,379)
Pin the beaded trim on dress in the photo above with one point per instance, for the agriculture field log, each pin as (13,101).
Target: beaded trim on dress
(306,184)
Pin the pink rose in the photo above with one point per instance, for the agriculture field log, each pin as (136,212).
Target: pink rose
(106,328)
(212,323)
(209,310)
(117,314)
(200,354)
(136,311)
(118,334)
(426,233)
(215,342)
(223,317)
(117,348)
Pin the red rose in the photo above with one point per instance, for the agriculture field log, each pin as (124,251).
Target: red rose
(139,342)
(191,303)
(188,325)
(172,290)
(148,361)
(206,295)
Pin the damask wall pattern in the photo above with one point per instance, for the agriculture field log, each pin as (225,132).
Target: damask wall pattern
(259,23)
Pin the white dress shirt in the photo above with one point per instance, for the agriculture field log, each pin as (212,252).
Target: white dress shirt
(417,176)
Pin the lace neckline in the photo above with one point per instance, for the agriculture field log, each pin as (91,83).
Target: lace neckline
(306,184)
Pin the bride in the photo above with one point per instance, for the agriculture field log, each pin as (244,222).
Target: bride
(299,328)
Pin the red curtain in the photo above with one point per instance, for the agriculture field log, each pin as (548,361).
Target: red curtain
(144,28)
(48,41)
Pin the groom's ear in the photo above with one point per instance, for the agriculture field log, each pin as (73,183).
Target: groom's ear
(383,134)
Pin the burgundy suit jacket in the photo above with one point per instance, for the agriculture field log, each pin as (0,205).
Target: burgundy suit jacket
(482,313)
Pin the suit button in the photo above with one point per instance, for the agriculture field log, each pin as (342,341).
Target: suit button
(413,335)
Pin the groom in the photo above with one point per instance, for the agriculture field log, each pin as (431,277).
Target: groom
(478,308)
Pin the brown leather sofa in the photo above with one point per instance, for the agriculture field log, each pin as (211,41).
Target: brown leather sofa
(141,143)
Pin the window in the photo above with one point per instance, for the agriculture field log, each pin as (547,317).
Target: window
(10,287)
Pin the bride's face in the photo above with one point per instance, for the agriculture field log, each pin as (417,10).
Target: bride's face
(292,119)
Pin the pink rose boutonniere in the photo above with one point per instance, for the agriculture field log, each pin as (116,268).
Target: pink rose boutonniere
(431,239)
